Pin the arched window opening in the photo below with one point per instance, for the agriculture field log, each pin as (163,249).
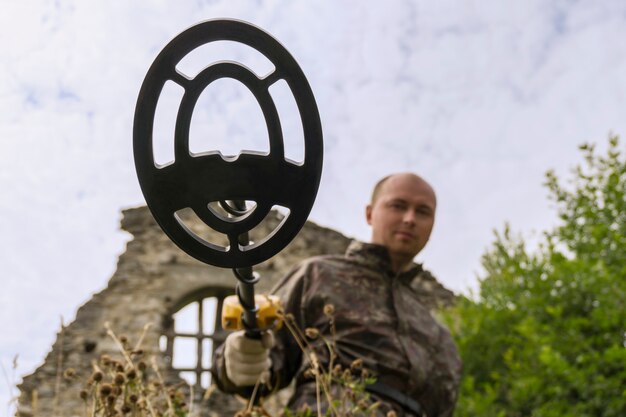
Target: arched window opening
(191,333)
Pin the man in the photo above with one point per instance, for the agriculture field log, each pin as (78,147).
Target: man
(379,316)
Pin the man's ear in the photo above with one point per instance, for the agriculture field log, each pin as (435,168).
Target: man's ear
(368,214)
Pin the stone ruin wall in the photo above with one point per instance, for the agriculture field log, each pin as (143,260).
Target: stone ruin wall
(152,277)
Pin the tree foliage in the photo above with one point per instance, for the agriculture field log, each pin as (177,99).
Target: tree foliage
(546,334)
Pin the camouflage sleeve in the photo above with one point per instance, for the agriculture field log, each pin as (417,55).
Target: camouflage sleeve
(286,355)
(447,383)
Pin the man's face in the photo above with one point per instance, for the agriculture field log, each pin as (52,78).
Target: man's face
(402,216)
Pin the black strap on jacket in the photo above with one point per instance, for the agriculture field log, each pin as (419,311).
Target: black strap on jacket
(408,403)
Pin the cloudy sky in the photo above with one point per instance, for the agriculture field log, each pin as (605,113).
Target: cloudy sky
(480,97)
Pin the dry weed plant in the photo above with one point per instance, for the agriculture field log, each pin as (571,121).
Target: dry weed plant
(128,386)
(341,390)
(11,384)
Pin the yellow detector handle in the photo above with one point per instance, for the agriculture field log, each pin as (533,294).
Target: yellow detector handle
(267,316)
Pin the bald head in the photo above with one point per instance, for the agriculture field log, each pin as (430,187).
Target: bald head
(402,177)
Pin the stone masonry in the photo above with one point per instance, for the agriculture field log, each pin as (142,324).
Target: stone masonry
(153,277)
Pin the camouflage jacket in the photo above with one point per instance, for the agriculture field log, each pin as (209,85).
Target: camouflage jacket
(380,317)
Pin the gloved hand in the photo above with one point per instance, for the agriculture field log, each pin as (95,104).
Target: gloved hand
(247,359)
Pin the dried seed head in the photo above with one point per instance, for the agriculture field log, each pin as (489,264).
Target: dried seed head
(105,360)
(142,366)
(356,364)
(83,394)
(137,352)
(123,339)
(119,367)
(311,332)
(119,379)
(97,376)
(126,409)
(106,389)
(363,404)
(133,398)
(69,373)
(111,399)
(329,309)
(132,374)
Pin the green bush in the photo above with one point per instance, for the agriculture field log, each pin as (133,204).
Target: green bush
(546,334)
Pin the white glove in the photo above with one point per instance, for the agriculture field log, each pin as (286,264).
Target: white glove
(246,359)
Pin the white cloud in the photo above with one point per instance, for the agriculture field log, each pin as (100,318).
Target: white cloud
(480,97)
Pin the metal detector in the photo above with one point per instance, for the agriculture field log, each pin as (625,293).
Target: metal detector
(200,182)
